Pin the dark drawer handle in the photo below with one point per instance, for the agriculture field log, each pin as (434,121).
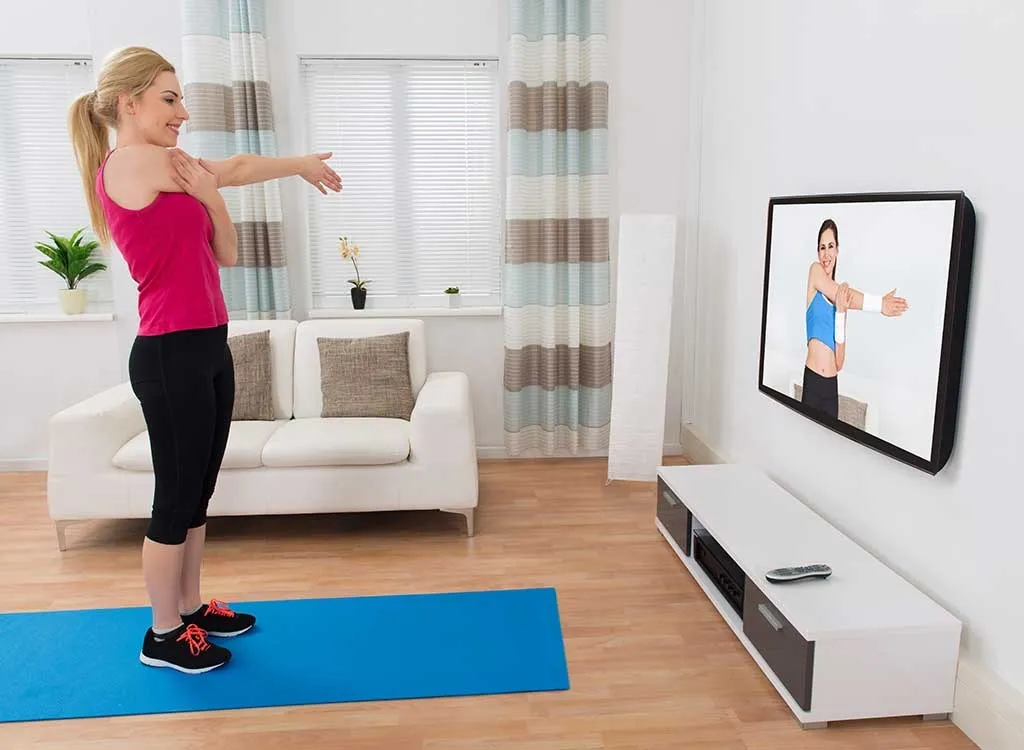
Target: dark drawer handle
(771,618)
(668,498)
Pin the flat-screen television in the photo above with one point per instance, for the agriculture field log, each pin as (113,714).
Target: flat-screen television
(865,313)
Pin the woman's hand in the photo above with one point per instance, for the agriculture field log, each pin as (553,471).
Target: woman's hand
(893,305)
(193,178)
(843,296)
(317,173)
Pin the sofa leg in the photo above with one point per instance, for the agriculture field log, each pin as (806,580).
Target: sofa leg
(62,539)
(468,513)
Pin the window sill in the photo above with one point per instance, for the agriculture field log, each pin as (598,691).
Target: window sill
(56,317)
(408,312)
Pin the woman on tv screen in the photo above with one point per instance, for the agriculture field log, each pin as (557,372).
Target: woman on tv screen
(827,304)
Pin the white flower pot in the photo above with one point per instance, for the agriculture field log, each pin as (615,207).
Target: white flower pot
(72,301)
(454,300)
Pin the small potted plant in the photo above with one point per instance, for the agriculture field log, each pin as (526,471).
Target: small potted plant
(454,299)
(350,251)
(71,258)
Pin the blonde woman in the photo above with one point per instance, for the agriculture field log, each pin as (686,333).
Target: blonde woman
(163,210)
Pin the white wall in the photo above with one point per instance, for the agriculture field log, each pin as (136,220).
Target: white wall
(48,366)
(54,364)
(648,143)
(804,97)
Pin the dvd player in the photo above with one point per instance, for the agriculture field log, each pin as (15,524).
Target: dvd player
(723,571)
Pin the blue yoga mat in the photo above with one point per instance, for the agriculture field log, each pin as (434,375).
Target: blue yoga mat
(85,663)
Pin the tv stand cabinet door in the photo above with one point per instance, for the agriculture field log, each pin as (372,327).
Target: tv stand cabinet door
(789,654)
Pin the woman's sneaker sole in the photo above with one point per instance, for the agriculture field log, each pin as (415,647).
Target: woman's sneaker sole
(228,634)
(150,662)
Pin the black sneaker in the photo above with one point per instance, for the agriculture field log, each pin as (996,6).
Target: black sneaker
(185,648)
(217,619)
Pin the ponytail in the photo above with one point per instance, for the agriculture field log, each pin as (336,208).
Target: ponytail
(91,141)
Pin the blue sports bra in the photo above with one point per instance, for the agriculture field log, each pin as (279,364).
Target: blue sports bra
(821,321)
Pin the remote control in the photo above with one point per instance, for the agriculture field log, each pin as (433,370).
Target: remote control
(798,573)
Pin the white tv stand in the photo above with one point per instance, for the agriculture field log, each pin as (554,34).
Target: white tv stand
(863,643)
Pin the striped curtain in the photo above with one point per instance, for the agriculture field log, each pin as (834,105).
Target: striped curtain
(556,281)
(224,73)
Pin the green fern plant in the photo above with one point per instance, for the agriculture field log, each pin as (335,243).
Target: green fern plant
(71,258)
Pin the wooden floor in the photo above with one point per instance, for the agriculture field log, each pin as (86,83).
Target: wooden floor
(652,664)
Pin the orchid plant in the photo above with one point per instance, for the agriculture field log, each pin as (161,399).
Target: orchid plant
(350,251)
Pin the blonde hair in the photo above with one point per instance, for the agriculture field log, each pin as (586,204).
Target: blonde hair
(130,71)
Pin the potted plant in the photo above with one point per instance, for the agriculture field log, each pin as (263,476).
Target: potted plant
(350,251)
(454,300)
(71,258)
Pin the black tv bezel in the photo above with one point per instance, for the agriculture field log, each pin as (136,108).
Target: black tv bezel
(951,360)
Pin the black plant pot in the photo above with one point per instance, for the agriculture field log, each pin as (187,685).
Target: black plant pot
(358,298)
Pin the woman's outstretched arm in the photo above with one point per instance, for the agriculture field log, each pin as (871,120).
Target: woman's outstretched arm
(248,169)
(888,304)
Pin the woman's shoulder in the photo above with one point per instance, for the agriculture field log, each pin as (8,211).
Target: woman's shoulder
(816,273)
(141,171)
(138,158)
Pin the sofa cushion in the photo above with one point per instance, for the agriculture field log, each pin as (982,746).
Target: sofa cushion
(338,442)
(308,399)
(253,376)
(366,376)
(244,449)
(282,358)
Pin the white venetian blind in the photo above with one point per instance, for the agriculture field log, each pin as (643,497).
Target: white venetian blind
(416,144)
(40,189)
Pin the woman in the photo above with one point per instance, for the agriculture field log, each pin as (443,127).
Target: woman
(163,210)
(827,304)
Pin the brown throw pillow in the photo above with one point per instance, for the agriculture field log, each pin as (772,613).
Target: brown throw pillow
(253,395)
(366,377)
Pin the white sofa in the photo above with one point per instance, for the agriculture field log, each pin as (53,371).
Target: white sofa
(100,467)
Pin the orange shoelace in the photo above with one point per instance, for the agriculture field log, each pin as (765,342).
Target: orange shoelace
(217,607)
(196,638)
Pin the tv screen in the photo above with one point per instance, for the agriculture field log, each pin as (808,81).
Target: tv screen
(864,316)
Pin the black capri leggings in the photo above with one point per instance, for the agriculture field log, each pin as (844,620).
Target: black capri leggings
(820,392)
(185,381)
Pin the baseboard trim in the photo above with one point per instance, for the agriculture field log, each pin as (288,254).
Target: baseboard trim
(696,448)
(986,709)
(13,465)
(486,452)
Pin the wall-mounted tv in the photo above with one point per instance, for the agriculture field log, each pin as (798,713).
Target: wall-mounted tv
(864,316)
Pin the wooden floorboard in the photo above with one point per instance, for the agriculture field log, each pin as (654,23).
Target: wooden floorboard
(652,664)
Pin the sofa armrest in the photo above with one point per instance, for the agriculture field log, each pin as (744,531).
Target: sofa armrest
(85,436)
(441,429)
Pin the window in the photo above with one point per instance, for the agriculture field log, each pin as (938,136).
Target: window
(40,189)
(416,144)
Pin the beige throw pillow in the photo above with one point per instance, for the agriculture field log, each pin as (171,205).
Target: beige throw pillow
(253,388)
(366,377)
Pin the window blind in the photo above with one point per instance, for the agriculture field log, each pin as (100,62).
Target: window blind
(40,189)
(416,144)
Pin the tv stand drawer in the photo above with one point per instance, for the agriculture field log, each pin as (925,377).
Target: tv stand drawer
(789,654)
(675,517)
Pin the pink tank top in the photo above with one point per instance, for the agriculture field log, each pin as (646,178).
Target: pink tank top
(168,247)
